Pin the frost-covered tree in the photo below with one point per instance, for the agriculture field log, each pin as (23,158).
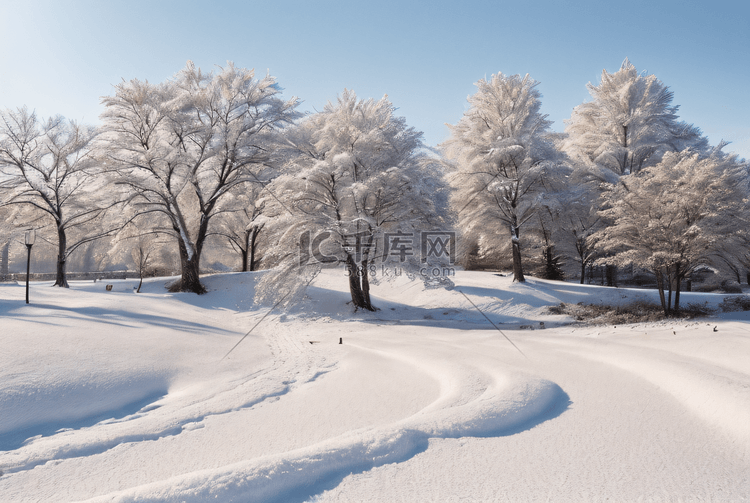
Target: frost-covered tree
(182,146)
(355,172)
(629,124)
(48,166)
(671,217)
(501,152)
(242,227)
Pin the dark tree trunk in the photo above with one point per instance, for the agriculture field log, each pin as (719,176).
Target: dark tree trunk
(660,286)
(366,286)
(190,275)
(516,245)
(190,279)
(365,275)
(517,266)
(355,287)
(244,252)
(357,279)
(249,261)
(251,247)
(583,271)
(611,273)
(678,280)
(61,278)
(670,281)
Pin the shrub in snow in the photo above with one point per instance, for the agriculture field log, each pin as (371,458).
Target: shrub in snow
(735,303)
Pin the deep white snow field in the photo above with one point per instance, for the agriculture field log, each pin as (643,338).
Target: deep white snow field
(117,396)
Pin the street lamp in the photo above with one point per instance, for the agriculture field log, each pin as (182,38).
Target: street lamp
(29,239)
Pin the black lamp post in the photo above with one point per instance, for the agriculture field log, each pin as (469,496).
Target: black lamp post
(29,240)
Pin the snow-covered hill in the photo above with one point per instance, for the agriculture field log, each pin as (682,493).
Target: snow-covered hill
(117,396)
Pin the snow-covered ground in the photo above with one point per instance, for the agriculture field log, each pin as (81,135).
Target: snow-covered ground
(117,396)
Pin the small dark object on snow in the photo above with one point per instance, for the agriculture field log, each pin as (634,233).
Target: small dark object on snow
(313,342)
(716,329)
(341,340)
(109,288)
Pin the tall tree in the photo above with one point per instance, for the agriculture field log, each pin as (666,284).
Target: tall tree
(181,146)
(502,153)
(48,166)
(356,172)
(629,124)
(672,217)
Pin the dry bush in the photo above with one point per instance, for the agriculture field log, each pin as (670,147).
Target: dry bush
(696,310)
(635,312)
(726,286)
(730,286)
(735,303)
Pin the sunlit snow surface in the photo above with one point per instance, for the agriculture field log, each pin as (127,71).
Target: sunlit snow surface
(117,396)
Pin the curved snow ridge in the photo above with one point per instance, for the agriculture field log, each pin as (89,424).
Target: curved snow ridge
(176,410)
(477,397)
(506,407)
(717,395)
(157,420)
(519,403)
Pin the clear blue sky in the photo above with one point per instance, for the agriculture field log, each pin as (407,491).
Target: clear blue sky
(60,56)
